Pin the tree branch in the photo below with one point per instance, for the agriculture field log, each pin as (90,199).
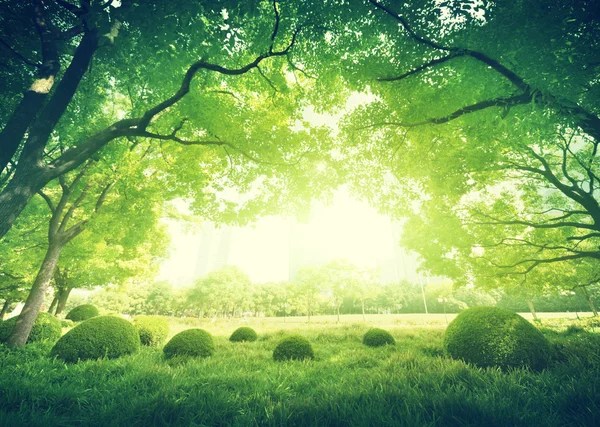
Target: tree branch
(48,200)
(482,105)
(429,64)
(18,55)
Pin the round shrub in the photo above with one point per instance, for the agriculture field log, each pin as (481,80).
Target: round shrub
(492,336)
(46,328)
(153,330)
(293,348)
(191,342)
(243,334)
(376,337)
(102,336)
(82,312)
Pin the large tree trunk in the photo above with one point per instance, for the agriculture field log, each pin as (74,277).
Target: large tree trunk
(34,98)
(34,301)
(63,296)
(17,194)
(532,309)
(5,307)
(587,297)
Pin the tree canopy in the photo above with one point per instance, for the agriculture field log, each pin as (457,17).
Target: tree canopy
(480,124)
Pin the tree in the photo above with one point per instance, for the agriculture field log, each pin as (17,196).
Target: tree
(160,298)
(224,291)
(242,109)
(491,146)
(308,287)
(74,205)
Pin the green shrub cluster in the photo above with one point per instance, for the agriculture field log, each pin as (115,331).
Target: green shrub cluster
(102,336)
(376,337)
(46,328)
(153,330)
(492,336)
(191,342)
(294,347)
(82,312)
(243,334)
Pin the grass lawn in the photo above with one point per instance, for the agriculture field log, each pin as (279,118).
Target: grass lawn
(347,384)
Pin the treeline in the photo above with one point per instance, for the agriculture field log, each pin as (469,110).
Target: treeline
(228,292)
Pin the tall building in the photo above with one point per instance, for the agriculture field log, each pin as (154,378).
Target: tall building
(304,248)
(215,247)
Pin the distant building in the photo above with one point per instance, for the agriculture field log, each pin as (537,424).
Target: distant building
(215,247)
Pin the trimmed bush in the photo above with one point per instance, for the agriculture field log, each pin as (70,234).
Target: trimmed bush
(102,336)
(82,312)
(376,337)
(293,348)
(153,330)
(191,342)
(492,336)
(243,334)
(46,328)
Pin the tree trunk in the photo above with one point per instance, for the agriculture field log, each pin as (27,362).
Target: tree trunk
(532,309)
(63,296)
(34,301)
(338,314)
(54,302)
(589,301)
(17,194)
(362,303)
(4,308)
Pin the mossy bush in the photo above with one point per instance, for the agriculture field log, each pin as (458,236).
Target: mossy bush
(46,328)
(376,337)
(496,337)
(102,336)
(294,347)
(82,312)
(153,330)
(243,334)
(191,342)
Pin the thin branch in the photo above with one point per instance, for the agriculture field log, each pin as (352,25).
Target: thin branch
(103,195)
(584,237)
(48,200)
(71,211)
(267,79)
(203,65)
(482,105)
(18,55)
(429,64)
(409,30)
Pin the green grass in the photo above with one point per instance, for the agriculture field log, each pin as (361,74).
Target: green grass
(348,384)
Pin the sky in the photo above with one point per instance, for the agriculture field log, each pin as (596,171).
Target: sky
(346,229)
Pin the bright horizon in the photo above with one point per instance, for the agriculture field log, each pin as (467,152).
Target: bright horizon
(346,229)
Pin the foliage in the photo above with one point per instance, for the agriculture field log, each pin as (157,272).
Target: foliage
(153,330)
(377,337)
(294,347)
(224,291)
(82,312)
(102,336)
(491,336)
(46,328)
(191,342)
(243,333)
